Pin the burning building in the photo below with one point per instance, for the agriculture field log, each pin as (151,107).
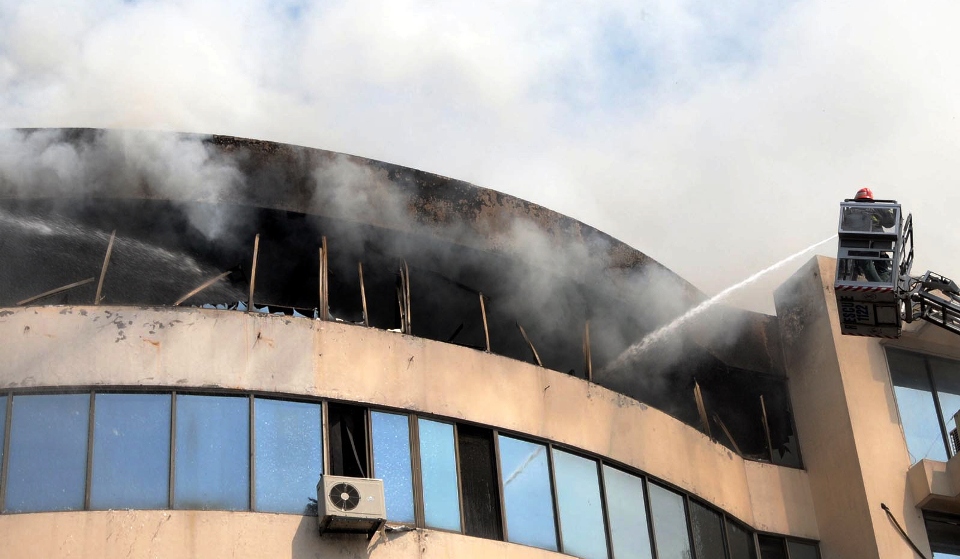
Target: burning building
(196,328)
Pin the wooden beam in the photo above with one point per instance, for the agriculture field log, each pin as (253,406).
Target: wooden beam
(324,302)
(406,271)
(103,269)
(529,343)
(727,433)
(587,355)
(201,287)
(486,327)
(253,271)
(403,320)
(766,427)
(363,295)
(326,277)
(55,291)
(701,409)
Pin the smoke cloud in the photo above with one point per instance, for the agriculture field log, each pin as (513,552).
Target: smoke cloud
(715,138)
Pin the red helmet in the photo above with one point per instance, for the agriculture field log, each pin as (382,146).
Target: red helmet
(864,194)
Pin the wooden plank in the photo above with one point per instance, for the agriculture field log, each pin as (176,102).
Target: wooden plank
(486,327)
(55,291)
(529,343)
(587,355)
(201,287)
(701,409)
(406,271)
(321,300)
(766,427)
(253,271)
(103,269)
(727,433)
(403,320)
(363,295)
(325,279)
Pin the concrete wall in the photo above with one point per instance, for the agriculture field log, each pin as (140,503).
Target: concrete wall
(157,534)
(847,421)
(184,348)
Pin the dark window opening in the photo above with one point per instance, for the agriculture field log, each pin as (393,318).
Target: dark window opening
(772,547)
(943,531)
(479,483)
(740,540)
(348,441)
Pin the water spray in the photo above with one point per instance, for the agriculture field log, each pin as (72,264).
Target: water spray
(637,349)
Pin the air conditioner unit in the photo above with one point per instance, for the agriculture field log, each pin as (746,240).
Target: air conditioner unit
(350,505)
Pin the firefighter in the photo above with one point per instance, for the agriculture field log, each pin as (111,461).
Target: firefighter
(866,218)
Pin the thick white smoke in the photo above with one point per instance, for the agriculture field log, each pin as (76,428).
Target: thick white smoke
(715,138)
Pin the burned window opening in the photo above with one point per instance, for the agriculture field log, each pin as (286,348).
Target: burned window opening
(348,436)
(479,483)
(160,255)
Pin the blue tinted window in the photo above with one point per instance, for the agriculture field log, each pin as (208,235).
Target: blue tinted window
(213,453)
(526,493)
(288,455)
(915,400)
(131,451)
(669,523)
(391,463)
(628,515)
(438,463)
(946,378)
(581,512)
(48,452)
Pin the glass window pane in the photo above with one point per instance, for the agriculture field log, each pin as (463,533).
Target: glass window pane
(213,453)
(581,513)
(391,463)
(917,410)
(47,466)
(526,493)
(438,463)
(740,541)
(287,454)
(131,451)
(771,547)
(707,528)
(799,550)
(669,523)
(628,515)
(946,378)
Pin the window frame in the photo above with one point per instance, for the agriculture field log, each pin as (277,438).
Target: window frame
(415,460)
(934,392)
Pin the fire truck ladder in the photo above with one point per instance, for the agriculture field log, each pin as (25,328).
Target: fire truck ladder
(936,299)
(932,297)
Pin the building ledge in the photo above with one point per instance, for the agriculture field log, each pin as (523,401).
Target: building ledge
(936,485)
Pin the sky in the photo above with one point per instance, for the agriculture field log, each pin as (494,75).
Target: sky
(716,137)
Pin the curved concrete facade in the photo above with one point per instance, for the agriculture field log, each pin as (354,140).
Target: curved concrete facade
(484,263)
(123,346)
